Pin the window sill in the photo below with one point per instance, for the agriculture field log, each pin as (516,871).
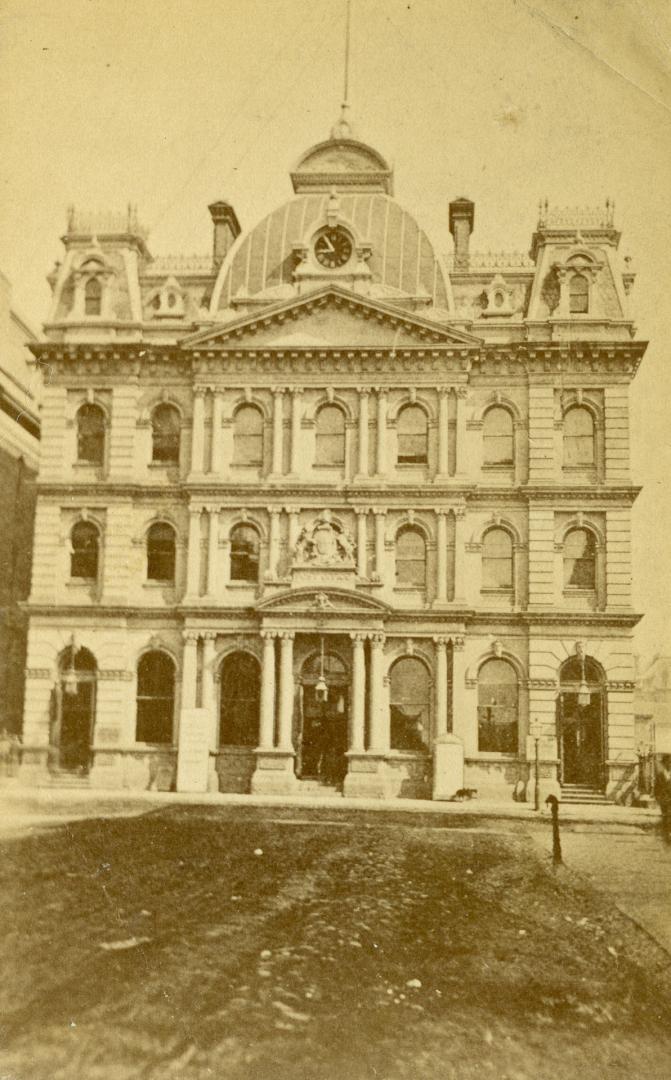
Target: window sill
(503,467)
(494,756)
(233,748)
(81,583)
(413,590)
(163,466)
(590,593)
(492,590)
(329,468)
(90,467)
(162,585)
(408,755)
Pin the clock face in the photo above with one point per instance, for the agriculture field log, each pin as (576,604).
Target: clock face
(333,248)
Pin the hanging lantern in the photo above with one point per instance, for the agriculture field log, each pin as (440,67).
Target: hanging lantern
(584,696)
(321,688)
(70,679)
(340,707)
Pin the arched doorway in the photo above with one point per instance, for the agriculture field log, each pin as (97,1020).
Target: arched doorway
(240,700)
(581,719)
(323,718)
(73,735)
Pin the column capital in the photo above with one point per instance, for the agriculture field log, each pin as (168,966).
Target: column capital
(461,391)
(381,391)
(269,635)
(357,637)
(458,642)
(443,391)
(296,390)
(190,637)
(379,511)
(459,511)
(213,508)
(364,391)
(274,509)
(362,511)
(195,511)
(286,635)
(377,640)
(441,640)
(200,391)
(441,511)
(209,635)
(291,509)
(278,390)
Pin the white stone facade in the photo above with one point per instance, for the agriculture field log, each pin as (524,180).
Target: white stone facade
(372,461)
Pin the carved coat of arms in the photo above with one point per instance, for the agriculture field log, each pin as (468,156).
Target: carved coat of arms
(325,543)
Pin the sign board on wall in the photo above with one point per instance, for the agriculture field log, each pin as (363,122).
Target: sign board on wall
(193,749)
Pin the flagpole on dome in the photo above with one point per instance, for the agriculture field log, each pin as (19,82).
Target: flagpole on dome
(342,128)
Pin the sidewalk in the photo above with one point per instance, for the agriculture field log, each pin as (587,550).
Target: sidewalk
(22,808)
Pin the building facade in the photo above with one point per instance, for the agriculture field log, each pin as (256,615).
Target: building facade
(19,456)
(325,508)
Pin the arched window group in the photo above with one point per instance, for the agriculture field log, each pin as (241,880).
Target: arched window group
(411,558)
(248,436)
(155,697)
(84,550)
(91,435)
(497,559)
(161,553)
(330,436)
(240,699)
(165,434)
(413,436)
(498,437)
(580,559)
(245,552)
(579,448)
(498,707)
(410,704)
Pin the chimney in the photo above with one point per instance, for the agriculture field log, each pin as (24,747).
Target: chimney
(462,215)
(226,230)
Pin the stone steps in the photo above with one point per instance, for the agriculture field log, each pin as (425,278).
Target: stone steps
(582,794)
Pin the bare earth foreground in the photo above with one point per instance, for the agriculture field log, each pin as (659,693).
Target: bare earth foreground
(198,942)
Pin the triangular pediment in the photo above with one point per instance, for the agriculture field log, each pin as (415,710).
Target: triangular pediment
(322,602)
(330,318)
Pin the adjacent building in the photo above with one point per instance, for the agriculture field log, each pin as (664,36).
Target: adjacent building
(329,508)
(19,455)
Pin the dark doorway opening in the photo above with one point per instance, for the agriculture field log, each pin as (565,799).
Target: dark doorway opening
(324,721)
(580,722)
(77,694)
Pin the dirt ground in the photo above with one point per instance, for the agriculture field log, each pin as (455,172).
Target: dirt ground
(192,943)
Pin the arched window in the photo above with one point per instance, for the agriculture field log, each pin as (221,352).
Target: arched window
(578,295)
(93,297)
(240,700)
(409,701)
(75,709)
(91,435)
(161,552)
(244,553)
(248,436)
(581,717)
(84,550)
(410,558)
(578,436)
(579,559)
(165,434)
(498,703)
(497,559)
(497,437)
(155,698)
(412,430)
(330,436)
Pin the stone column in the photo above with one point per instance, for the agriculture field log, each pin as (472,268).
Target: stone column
(361,541)
(286,711)
(381,435)
(380,520)
(461,592)
(379,723)
(462,460)
(208,697)
(364,392)
(278,430)
(193,554)
(295,466)
(189,664)
(460,719)
(358,708)
(198,430)
(273,542)
(213,551)
(217,422)
(294,530)
(441,557)
(443,433)
(267,721)
(441,686)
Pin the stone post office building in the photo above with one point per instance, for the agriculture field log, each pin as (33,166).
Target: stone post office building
(326,508)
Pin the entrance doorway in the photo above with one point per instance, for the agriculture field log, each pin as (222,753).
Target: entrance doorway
(73,735)
(581,722)
(324,719)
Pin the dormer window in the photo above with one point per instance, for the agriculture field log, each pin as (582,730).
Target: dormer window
(578,295)
(93,297)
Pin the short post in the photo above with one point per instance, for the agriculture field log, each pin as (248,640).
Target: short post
(553,802)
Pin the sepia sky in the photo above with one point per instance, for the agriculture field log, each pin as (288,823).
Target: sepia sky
(172,104)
